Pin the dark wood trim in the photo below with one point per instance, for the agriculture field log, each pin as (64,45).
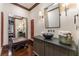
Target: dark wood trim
(32,28)
(14,28)
(20,6)
(29,9)
(2,28)
(27,28)
(33,6)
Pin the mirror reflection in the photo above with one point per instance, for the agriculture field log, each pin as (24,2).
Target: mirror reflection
(20,28)
(17,27)
(52,16)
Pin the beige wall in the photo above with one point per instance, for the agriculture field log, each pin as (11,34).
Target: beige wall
(67,22)
(0,26)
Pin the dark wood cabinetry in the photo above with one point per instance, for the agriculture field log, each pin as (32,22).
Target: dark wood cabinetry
(45,48)
(39,47)
(49,49)
(53,50)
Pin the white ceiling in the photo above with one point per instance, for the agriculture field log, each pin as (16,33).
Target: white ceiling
(27,5)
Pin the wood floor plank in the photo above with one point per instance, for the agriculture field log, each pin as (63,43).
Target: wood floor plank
(20,52)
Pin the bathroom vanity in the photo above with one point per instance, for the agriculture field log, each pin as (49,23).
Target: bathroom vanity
(47,47)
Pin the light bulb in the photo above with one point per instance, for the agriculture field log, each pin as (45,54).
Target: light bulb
(40,13)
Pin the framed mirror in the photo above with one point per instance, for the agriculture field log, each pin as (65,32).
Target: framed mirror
(18,27)
(52,16)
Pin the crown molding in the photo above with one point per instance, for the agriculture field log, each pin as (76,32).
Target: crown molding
(29,9)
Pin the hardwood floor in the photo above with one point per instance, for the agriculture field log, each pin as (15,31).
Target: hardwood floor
(20,52)
(4,52)
(25,51)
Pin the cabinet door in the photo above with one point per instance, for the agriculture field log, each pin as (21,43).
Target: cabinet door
(48,49)
(54,50)
(39,47)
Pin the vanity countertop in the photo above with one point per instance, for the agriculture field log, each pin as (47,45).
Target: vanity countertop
(55,41)
(19,39)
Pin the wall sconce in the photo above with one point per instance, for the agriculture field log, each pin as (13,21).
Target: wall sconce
(75,21)
(41,14)
(65,5)
(75,16)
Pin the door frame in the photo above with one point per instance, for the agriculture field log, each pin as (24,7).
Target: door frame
(32,28)
(2,28)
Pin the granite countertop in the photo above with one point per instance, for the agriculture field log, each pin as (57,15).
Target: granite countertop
(55,41)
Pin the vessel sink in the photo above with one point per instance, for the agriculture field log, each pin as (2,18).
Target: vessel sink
(47,35)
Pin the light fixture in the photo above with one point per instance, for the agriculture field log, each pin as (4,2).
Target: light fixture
(40,13)
(41,16)
(65,5)
(75,18)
